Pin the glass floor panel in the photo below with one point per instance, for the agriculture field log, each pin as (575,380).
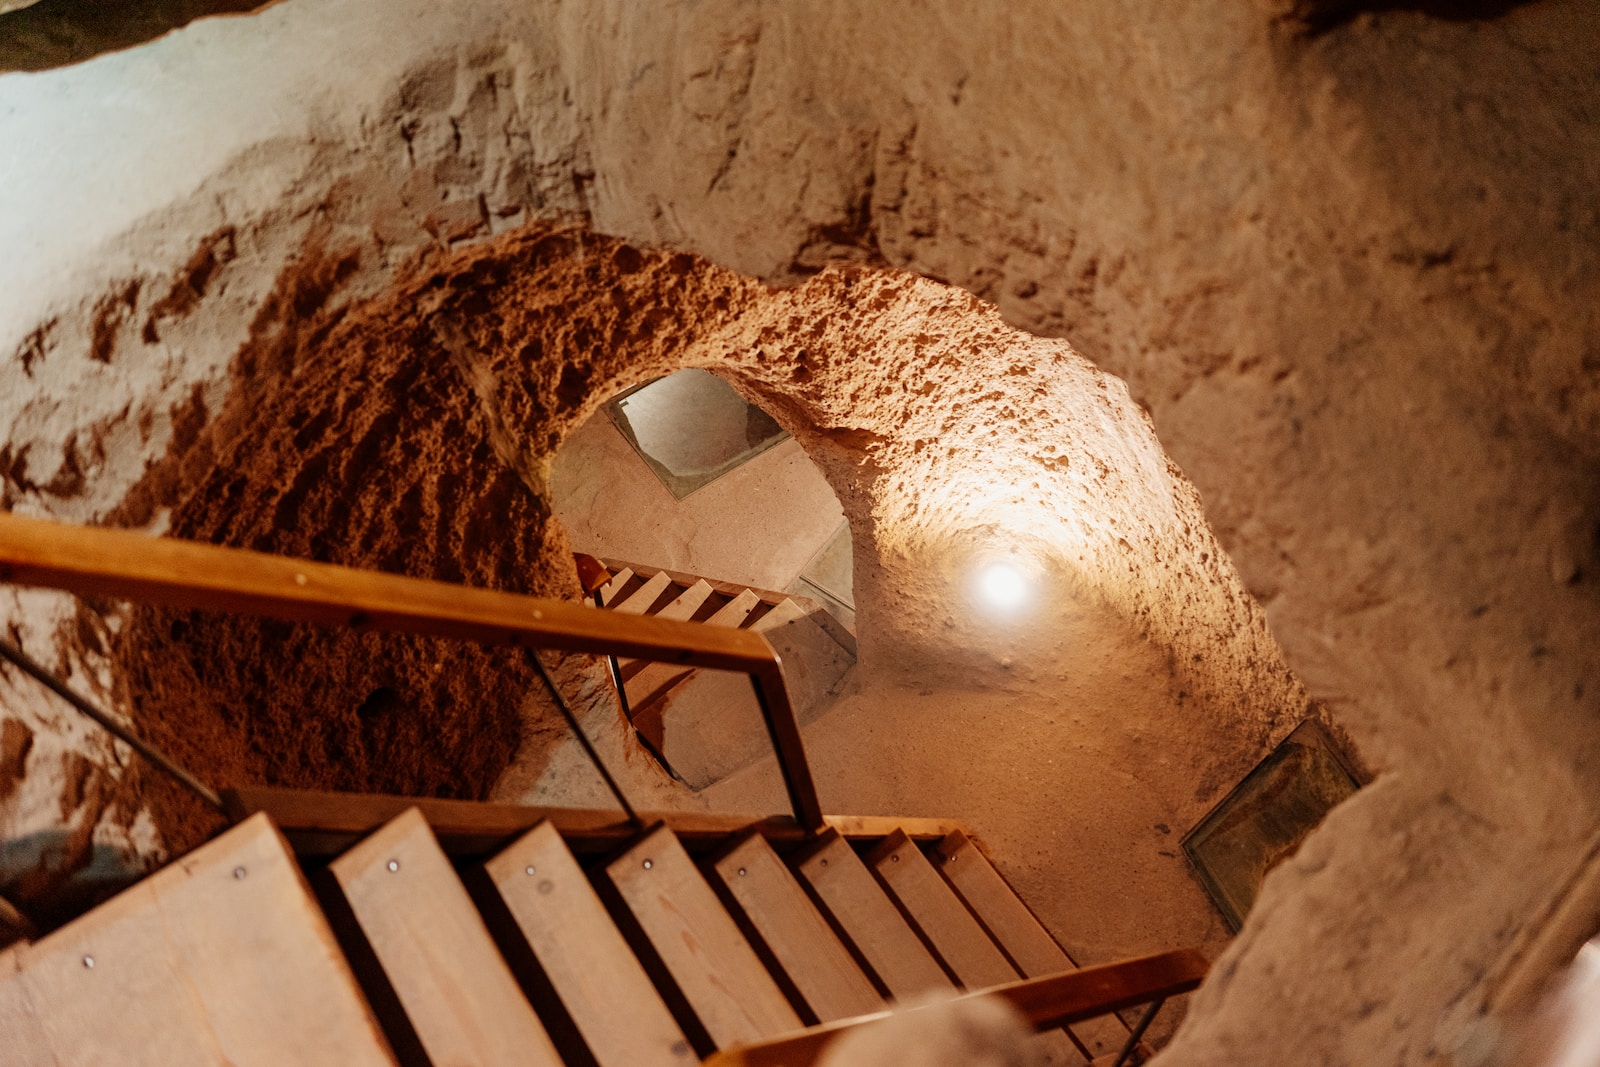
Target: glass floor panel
(691,428)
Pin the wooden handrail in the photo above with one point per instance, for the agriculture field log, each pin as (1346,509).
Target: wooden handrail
(185,574)
(1046,1003)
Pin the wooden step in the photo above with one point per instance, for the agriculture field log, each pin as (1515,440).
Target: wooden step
(936,911)
(1019,932)
(220,958)
(786,611)
(955,934)
(698,943)
(858,906)
(435,951)
(652,680)
(687,602)
(641,600)
(611,589)
(832,984)
(25,1040)
(600,982)
(682,609)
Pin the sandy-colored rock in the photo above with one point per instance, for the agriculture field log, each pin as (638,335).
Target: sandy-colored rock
(1350,275)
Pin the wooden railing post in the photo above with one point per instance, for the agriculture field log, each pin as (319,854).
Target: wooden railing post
(784,729)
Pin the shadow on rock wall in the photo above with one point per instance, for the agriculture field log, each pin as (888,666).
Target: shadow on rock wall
(55,33)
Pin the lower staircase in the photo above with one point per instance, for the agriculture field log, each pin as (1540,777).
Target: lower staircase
(447,932)
(702,724)
(357,929)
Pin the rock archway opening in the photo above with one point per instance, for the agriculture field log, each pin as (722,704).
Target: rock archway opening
(684,473)
(1051,643)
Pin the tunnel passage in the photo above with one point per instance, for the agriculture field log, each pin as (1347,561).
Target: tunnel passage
(414,432)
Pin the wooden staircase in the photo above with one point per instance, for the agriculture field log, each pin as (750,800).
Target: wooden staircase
(344,929)
(700,724)
(417,946)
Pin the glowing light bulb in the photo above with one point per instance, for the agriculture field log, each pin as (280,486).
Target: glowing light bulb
(1003,586)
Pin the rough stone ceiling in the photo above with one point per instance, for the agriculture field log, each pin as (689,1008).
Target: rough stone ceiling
(1351,276)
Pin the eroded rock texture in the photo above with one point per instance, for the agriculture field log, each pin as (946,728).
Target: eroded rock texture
(1351,275)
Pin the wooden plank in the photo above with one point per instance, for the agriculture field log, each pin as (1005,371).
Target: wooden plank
(772,697)
(1018,931)
(954,932)
(640,601)
(107,990)
(735,611)
(944,922)
(682,608)
(621,1017)
(728,589)
(323,824)
(1044,1002)
(795,933)
(25,1042)
(717,970)
(436,952)
(865,914)
(184,574)
(252,944)
(652,683)
(220,958)
(619,579)
(687,603)
(655,679)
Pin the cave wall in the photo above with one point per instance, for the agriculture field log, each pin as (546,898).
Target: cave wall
(1350,274)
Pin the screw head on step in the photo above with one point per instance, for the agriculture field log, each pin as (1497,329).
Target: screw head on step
(895,858)
(88,961)
(741,872)
(529,870)
(394,865)
(239,873)
(648,864)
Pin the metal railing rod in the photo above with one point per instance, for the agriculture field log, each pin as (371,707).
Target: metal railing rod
(31,667)
(1138,1033)
(583,738)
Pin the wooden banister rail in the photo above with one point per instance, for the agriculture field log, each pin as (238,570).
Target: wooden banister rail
(185,574)
(1047,1002)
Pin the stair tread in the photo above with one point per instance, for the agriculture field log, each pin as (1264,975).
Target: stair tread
(794,931)
(866,915)
(700,945)
(585,958)
(26,1041)
(681,609)
(618,582)
(956,935)
(641,600)
(1019,932)
(221,957)
(687,602)
(435,950)
(652,681)
(785,611)
(933,907)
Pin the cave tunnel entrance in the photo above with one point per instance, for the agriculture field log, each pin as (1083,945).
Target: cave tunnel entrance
(702,507)
(682,472)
